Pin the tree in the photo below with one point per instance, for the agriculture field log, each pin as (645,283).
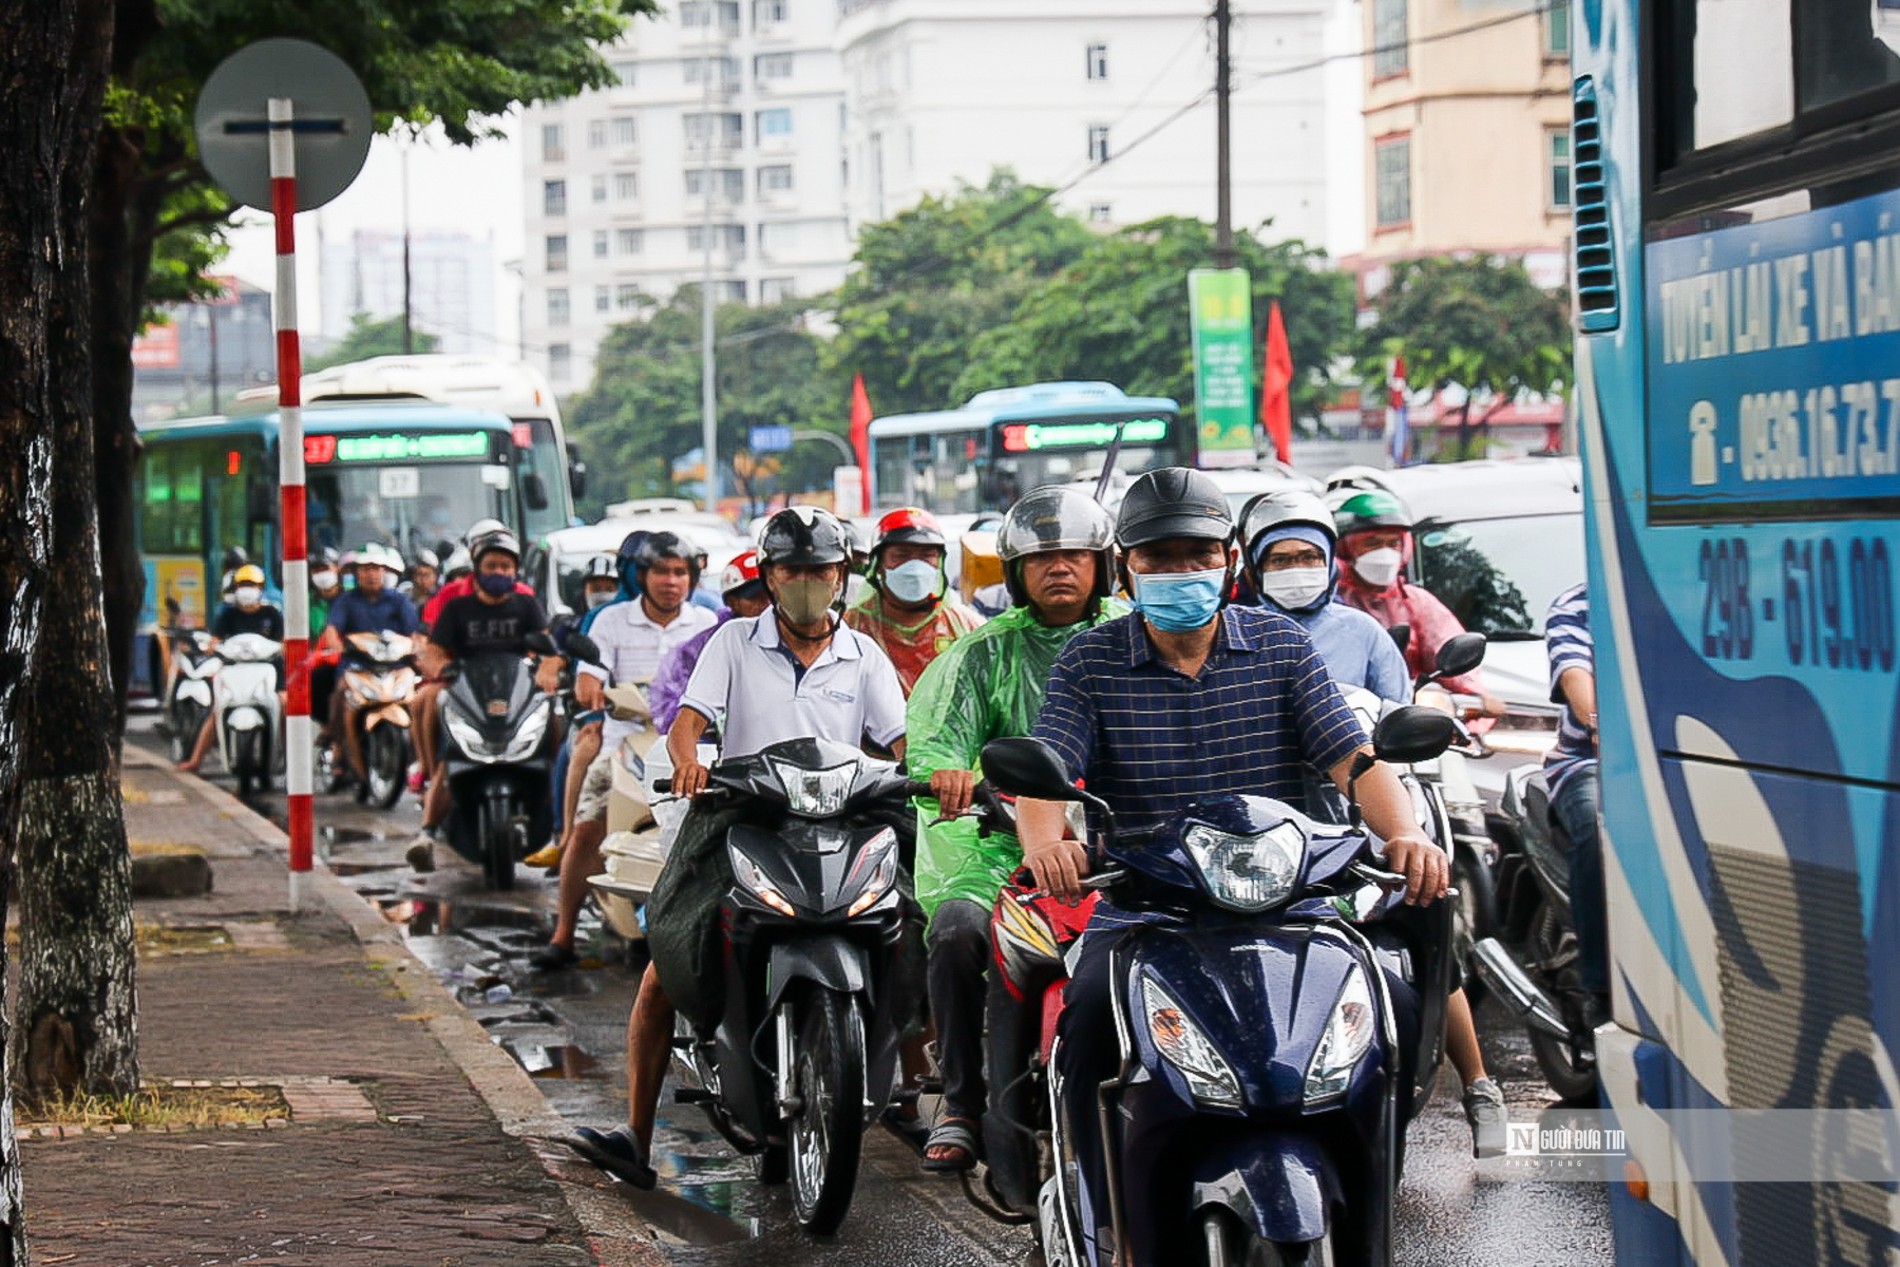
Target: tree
(931,280)
(54,59)
(1120,312)
(643,411)
(1478,323)
(367,338)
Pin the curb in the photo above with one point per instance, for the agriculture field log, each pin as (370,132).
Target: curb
(504,1087)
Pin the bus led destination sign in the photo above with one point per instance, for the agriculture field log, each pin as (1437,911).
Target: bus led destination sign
(438,446)
(1028,437)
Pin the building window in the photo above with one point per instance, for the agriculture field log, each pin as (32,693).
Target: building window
(625,132)
(1098,61)
(626,186)
(557,307)
(560,362)
(1391,38)
(596,134)
(725,129)
(557,252)
(778,237)
(1098,142)
(727,183)
(775,123)
(697,13)
(603,299)
(598,187)
(776,290)
(770,12)
(553,146)
(1392,175)
(602,240)
(1100,213)
(772,66)
(726,237)
(626,296)
(625,71)
(1557,30)
(629,241)
(775,179)
(554,197)
(1557,146)
(729,292)
(725,70)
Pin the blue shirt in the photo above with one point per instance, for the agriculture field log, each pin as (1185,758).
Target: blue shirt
(355,612)
(1150,741)
(1357,650)
(1568,643)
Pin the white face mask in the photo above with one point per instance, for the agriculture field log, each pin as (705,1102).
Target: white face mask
(1379,568)
(599,598)
(1296,589)
(248,595)
(323,580)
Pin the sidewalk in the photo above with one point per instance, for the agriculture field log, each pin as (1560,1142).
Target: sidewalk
(412,1138)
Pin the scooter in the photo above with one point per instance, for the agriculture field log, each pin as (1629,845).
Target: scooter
(1257,1115)
(249,718)
(377,705)
(498,746)
(188,689)
(805,1056)
(634,849)
(1531,964)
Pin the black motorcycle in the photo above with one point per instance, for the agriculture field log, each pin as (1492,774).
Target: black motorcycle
(805,1055)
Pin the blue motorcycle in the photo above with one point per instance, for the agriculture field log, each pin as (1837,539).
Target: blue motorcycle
(1266,1076)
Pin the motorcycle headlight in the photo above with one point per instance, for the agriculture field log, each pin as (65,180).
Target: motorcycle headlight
(528,737)
(1209,1077)
(1247,873)
(877,864)
(467,737)
(816,793)
(754,881)
(1348,1034)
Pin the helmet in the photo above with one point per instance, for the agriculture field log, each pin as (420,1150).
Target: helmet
(502,540)
(248,574)
(1170,503)
(458,564)
(1053,518)
(427,558)
(376,554)
(665,545)
(742,571)
(1282,508)
(482,528)
(348,560)
(602,567)
(235,558)
(630,547)
(326,558)
(907,525)
(804,536)
(1370,508)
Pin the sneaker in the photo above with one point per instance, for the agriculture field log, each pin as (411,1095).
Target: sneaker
(548,855)
(1484,1109)
(421,852)
(553,957)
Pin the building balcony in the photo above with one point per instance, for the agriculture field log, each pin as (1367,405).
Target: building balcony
(721,207)
(715,147)
(778,199)
(697,39)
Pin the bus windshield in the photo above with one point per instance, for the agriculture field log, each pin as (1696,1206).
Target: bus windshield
(408,507)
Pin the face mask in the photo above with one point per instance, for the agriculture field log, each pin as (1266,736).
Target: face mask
(1379,568)
(496,584)
(323,580)
(1296,589)
(248,595)
(599,599)
(915,582)
(805,602)
(1179,601)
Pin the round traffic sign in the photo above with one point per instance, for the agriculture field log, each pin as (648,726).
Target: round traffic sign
(330,121)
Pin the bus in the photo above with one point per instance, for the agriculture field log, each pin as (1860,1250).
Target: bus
(1005,442)
(405,473)
(1737,236)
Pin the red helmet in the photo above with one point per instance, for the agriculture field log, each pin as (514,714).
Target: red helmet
(907,525)
(741,572)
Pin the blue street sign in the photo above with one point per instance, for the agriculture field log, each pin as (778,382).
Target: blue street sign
(769,439)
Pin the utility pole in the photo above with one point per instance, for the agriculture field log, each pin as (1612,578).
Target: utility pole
(408,312)
(211,313)
(708,395)
(1223,139)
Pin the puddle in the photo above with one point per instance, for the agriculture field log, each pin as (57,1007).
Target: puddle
(332,834)
(349,867)
(558,1060)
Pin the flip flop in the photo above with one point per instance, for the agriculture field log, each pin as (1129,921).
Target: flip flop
(952,1132)
(617,1152)
(909,1130)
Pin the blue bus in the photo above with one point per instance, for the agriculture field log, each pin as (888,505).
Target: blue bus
(1737,246)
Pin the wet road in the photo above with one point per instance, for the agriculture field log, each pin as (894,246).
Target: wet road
(567,1030)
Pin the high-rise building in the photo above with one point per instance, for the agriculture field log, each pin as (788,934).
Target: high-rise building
(723,135)
(943,91)
(451,285)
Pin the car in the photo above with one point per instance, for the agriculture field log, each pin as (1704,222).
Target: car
(1241,484)
(556,563)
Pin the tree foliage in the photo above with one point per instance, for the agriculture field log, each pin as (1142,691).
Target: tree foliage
(368,337)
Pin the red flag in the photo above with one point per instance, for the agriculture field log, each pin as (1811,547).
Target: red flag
(861,436)
(1276,387)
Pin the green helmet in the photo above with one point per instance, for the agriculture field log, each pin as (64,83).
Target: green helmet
(1372,508)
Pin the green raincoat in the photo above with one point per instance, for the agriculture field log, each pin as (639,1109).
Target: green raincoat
(986,685)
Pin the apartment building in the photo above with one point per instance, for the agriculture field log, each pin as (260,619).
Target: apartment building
(451,285)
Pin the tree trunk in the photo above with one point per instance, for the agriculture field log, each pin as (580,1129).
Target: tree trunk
(53,59)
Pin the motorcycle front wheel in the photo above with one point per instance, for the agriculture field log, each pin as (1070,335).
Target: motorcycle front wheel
(1227,1242)
(250,763)
(1569,1063)
(188,719)
(498,848)
(827,1133)
(386,758)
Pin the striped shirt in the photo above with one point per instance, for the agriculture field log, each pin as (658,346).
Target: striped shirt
(1567,642)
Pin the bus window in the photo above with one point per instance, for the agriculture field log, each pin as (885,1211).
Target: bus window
(541,456)
(407,507)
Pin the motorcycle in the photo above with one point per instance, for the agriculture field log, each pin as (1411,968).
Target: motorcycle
(188,689)
(635,847)
(377,705)
(805,1056)
(245,704)
(499,742)
(1256,1116)
(1531,964)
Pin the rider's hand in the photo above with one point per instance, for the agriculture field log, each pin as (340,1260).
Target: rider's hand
(1426,870)
(690,779)
(1058,866)
(588,692)
(953,790)
(547,674)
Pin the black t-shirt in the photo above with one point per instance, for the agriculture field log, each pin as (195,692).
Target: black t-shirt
(467,626)
(233,620)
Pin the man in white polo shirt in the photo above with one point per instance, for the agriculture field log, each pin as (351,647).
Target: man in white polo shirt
(794,672)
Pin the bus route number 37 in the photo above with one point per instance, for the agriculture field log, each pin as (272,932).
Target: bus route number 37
(1835,602)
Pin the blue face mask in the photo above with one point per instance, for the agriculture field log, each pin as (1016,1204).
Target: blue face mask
(1176,602)
(918,581)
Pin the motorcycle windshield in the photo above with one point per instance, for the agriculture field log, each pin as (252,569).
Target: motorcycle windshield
(494,687)
(816,778)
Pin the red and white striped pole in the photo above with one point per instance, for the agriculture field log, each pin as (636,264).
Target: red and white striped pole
(298,748)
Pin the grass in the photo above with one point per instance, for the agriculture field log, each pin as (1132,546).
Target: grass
(169,939)
(161,1107)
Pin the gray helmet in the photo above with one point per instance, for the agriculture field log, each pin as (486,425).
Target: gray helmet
(1053,518)
(1281,508)
(1172,503)
(482,528)
(457,564)
(488,543)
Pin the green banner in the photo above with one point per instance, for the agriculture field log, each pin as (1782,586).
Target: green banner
(1220,305)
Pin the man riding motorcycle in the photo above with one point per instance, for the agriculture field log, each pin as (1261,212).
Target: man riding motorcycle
(375,606)
(1183,700)
(1570,769)
(743,593)
(247,612)
(1057,549)
(908,611)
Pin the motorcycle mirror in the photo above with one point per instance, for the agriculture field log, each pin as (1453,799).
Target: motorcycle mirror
(1413,733)
(541,644)
(584,649)
(1460,655)
(1027,767)
(1402,635)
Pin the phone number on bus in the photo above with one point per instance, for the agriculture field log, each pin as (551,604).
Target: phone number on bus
(1833,601)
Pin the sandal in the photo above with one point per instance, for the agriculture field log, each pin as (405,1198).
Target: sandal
(908,1130)
(957,1133)
(618,1152)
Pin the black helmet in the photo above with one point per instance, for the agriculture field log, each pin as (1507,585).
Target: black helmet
(1170,503)
(602,567)
(804,536)
(427,558)
(1052,518)
(488,543)
(326,558)
(235,558)
(667,545)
